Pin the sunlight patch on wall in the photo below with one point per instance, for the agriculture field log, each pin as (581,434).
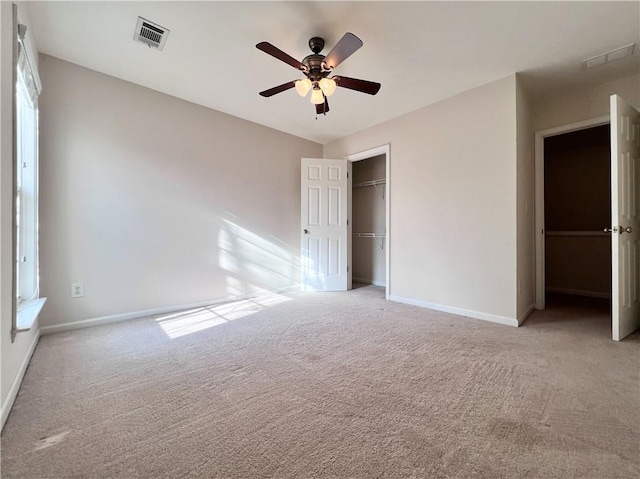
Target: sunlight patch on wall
(254,263)
(198,319)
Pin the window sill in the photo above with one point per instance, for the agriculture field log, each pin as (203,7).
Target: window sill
(28,313)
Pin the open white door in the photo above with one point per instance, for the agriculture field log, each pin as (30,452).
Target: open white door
(324,237)
(625,215)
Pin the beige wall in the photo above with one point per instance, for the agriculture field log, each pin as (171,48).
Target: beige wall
(583,104)
(154,202)
(13,355)
(453,199)
(368,216)
(525,205)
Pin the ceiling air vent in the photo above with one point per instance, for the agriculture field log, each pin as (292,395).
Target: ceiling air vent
(151,34)
(607,57)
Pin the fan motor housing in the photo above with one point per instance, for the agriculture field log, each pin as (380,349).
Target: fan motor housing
(314,64)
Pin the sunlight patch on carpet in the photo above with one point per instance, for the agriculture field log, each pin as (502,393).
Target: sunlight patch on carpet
(198,319)
(50,440)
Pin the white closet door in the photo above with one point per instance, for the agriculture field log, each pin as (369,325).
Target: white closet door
(324,249)
(625,215)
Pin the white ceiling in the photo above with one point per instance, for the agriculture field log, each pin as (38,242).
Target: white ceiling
(421,52)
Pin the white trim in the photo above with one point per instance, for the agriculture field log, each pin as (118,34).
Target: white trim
(369,281)
(17,382)
(539,194)
(527,312)
(494,318)
(28,313)
(578,292)
(363,155)
(116,318)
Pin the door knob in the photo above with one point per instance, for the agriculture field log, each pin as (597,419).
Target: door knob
(609,230)
(628,229)
(305,231)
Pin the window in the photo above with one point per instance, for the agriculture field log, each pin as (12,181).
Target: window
(26,275)
(26,184)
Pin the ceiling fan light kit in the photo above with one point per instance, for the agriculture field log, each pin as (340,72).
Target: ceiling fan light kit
(328,86)
(303,86)
(317,67)
(316,96)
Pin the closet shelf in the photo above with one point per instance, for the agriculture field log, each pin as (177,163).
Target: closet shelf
(373,183)
(576,233)
(370,183)
(379,237)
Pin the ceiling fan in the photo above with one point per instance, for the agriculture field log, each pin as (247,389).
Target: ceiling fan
(317,67)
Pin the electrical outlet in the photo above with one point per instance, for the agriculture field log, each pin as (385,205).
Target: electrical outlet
(77,290)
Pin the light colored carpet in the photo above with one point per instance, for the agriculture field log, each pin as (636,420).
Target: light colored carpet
(330,385)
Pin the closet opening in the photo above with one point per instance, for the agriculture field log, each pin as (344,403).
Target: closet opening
(370,218)
(577,209)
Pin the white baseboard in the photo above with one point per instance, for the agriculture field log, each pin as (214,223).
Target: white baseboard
(116,318)
(526,313)
(369,281)
(17,381)
(494,318)
(578,292)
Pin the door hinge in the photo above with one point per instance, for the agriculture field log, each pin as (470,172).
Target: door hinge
(347,174)
(347,269)
(347,221)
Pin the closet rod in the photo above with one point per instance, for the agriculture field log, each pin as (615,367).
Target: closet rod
(576,233)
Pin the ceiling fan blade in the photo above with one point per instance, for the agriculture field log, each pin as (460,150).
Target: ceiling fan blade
(279,54)
(347,45)
(278,89)
(363,86)
(323,108)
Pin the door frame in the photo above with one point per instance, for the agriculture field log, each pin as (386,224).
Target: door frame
(539,195)
(365,155)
